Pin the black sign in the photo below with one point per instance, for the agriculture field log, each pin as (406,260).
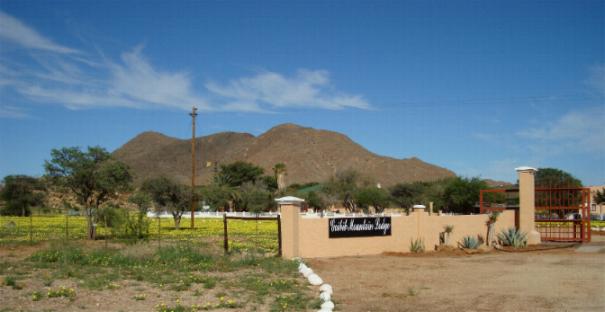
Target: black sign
(356,227)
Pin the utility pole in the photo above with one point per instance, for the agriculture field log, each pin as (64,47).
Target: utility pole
(193,114)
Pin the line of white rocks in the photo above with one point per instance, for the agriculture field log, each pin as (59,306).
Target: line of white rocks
(325,290)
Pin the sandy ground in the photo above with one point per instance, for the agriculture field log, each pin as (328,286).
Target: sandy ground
(555,280)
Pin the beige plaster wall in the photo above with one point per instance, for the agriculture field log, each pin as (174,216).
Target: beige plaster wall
(313,240)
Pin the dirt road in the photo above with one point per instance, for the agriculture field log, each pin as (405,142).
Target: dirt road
(556,280)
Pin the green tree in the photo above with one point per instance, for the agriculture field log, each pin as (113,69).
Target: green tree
(555,178)
(138,225)
(462,194)
(254,198)
(343,186)
(238,173)
(315,200)
(168,196)
(93,177)
(377,198)
(20,192)
(218,196)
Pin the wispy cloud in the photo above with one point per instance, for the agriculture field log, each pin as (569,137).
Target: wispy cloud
(12,29)
(13,112)
(57,74)
(305,89)
(573,132)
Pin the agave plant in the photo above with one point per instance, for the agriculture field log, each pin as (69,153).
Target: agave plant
(513,237)
(417,245)
(470,242)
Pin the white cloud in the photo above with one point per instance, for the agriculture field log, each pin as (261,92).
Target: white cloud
(574,132)
(12,29)
(138,81)
(61,75)
(306,89)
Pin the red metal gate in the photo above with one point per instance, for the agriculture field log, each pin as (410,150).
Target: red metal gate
(562,214)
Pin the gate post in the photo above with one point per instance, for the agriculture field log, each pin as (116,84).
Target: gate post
(289,209)
(527,202)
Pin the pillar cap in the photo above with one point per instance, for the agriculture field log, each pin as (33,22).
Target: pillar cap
(289,200)
(525,168)
(419,207)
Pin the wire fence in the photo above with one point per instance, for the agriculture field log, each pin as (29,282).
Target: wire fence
(244,235)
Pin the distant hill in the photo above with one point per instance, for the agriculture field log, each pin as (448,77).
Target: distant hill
(310,155)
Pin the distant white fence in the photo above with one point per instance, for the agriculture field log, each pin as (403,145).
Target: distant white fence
(214,214)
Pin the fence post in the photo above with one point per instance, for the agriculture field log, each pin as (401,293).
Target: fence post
(159,231)
(67,226)
(527,204)
(31,226)
(225,234)
(279,235)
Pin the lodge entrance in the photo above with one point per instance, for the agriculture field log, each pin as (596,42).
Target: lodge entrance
(561,214)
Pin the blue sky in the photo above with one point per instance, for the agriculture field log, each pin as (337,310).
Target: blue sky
(479,87)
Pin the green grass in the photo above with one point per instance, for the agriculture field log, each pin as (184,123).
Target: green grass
(183,267)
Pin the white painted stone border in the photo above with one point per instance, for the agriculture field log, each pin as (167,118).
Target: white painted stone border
(325,289)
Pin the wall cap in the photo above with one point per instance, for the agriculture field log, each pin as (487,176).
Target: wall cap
(419,207)
(525,168)
(289,200)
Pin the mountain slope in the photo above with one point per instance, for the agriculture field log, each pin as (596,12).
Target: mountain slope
(310,155)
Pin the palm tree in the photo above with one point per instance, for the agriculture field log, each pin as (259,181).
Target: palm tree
(279,171)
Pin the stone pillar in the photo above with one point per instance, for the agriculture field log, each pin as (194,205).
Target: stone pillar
(527,209)
(419,212)
(289,209)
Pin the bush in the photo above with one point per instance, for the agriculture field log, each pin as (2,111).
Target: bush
(470,242)
(135,226)
(417,245)
(513,237)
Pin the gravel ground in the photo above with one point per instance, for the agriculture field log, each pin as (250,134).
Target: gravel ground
(554,280)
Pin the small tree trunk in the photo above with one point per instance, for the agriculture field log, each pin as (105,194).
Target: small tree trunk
(490,234)
(177,221)
(92,233)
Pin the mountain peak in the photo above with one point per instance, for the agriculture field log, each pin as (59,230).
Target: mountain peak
(310,155)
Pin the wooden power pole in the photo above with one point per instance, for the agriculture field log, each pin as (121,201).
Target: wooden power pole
(193,114)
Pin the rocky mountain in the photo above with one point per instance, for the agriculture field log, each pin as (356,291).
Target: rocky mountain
(310,155)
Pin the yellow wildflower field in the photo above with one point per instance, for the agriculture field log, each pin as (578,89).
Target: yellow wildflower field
(243,234)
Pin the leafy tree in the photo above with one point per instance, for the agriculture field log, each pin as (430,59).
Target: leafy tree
(555,178)
(315,200)
(461,194)
(137,225)
(20,192)
(343,187)
(93,176)
(218,196)
(270,183)
(372,197)
(168,196)
(408,194)
(238,173)
(254,198)
(599,196)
